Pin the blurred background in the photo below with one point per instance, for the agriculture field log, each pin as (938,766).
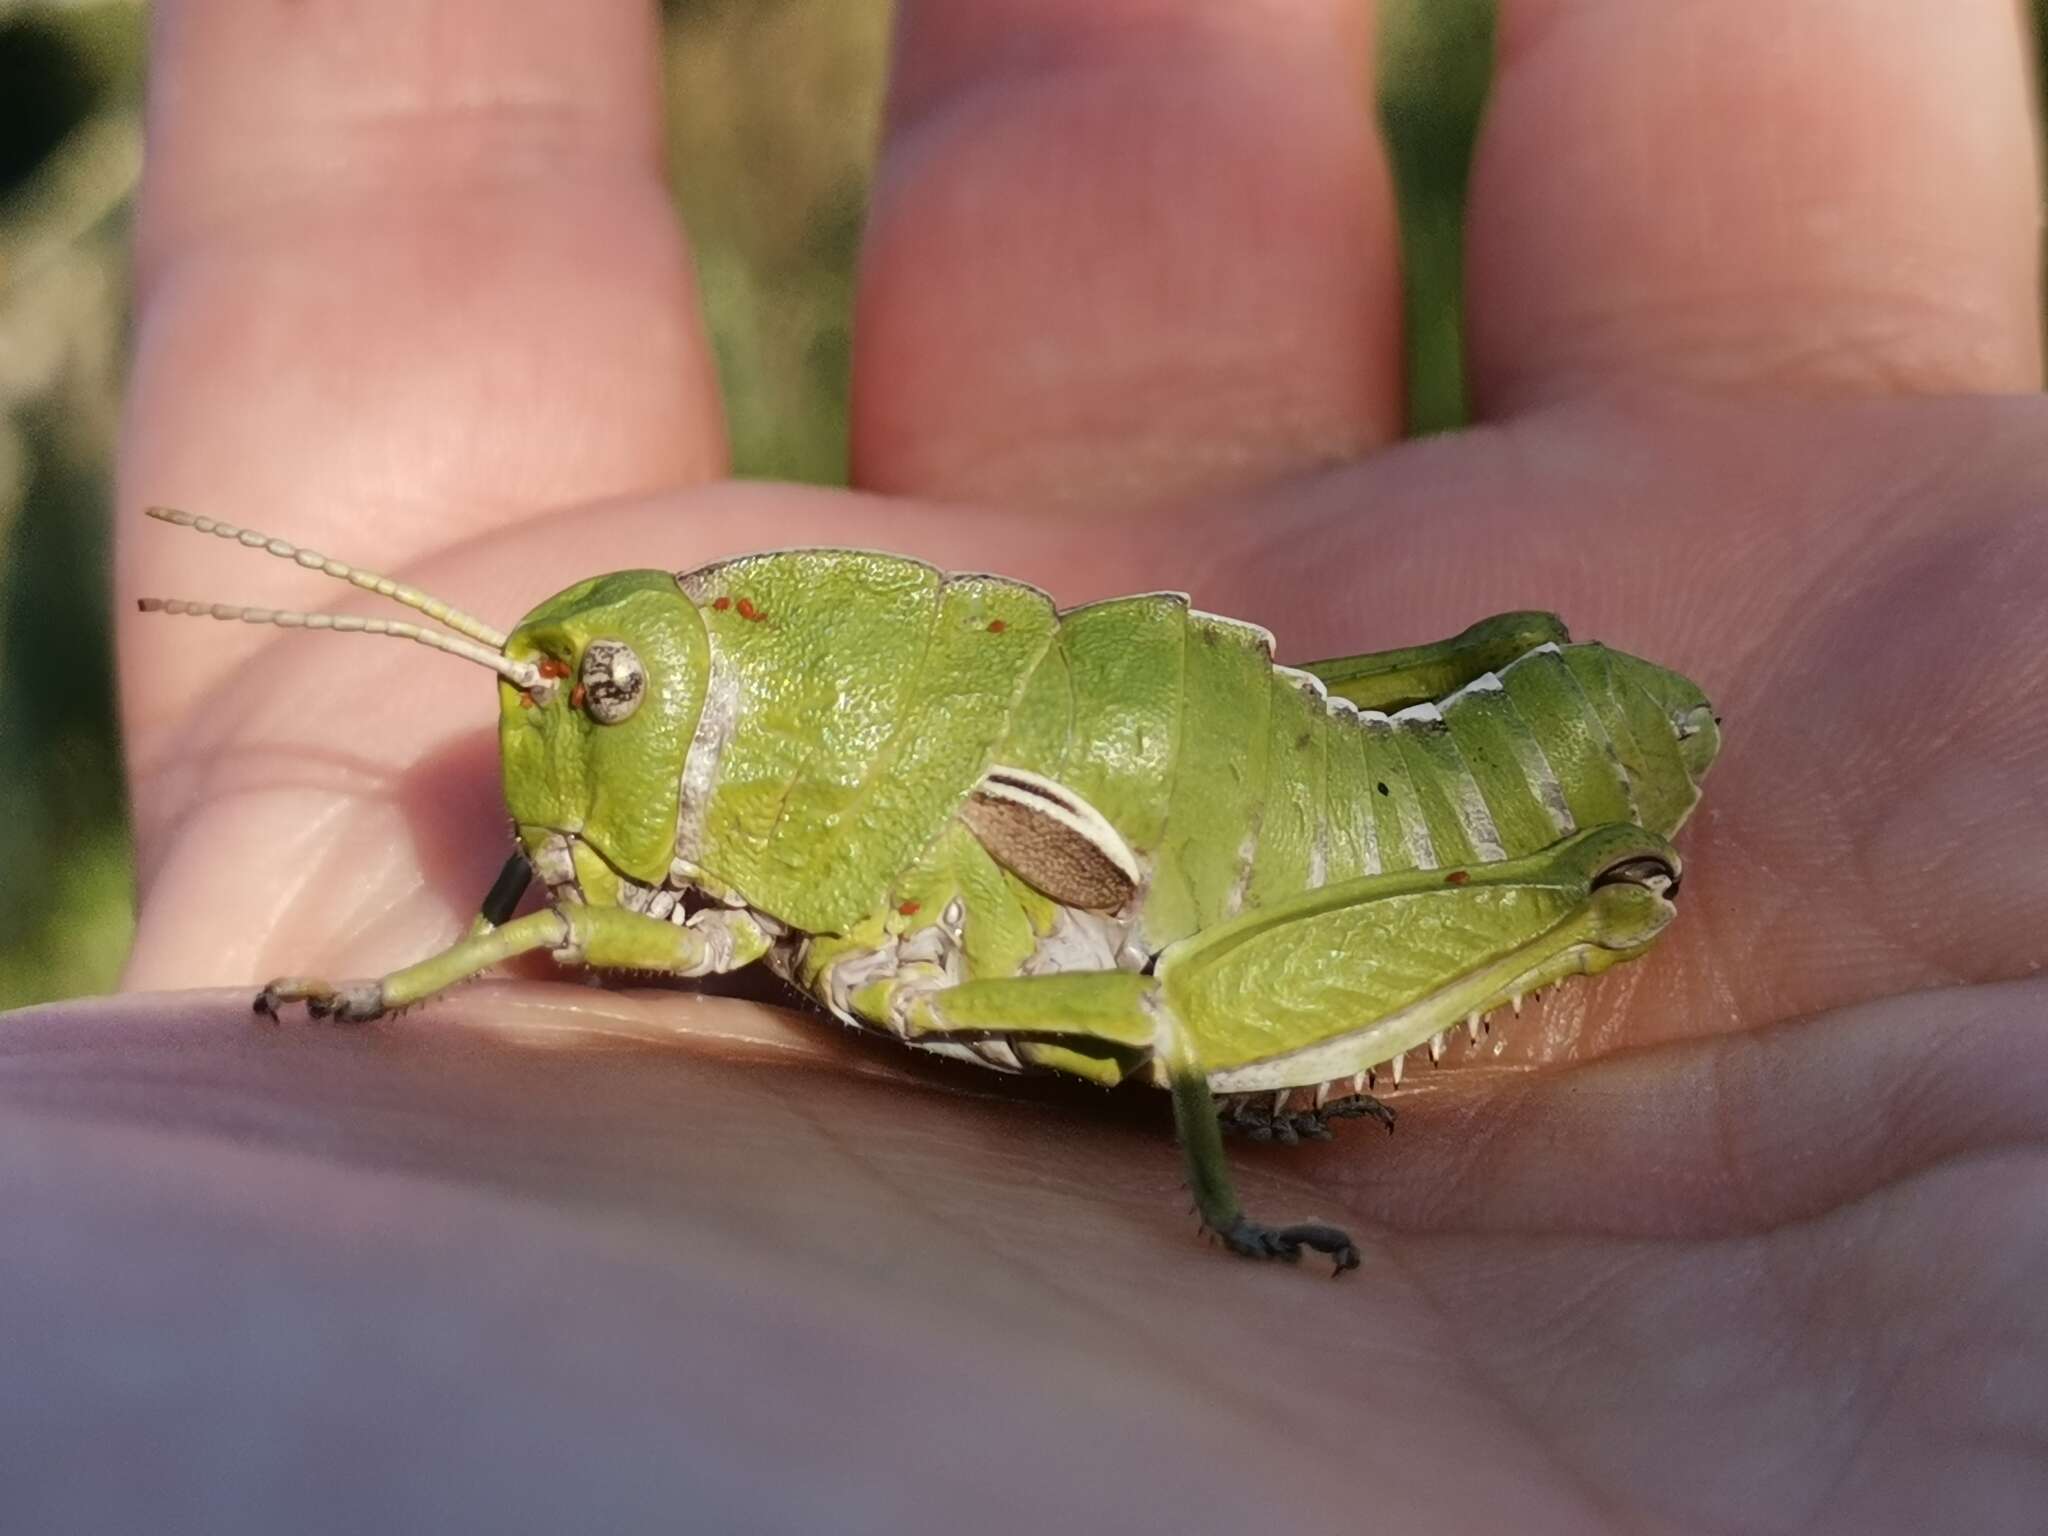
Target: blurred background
(772,111)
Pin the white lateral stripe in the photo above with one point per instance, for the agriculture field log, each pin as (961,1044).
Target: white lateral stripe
(715,722)
(1415,832)
(1414,829)
(1537,771)
(1480,828)
(1474,815)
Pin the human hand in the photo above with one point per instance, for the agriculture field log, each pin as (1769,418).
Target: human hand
(1751,303)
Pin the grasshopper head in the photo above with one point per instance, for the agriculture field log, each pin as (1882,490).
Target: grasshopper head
(596,749)
(602,685)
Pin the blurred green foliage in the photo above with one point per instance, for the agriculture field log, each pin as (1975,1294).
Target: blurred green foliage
(69,154)
(1435,58)
(772,112)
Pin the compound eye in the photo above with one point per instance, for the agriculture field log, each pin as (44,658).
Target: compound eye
(611,681)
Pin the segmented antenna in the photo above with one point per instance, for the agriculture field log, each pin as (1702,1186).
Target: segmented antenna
(312,560)
(520,674)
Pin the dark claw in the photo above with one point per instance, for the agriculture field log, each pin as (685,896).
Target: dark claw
(1356,1106)
(351,1003)
(1260,1123)
(1334,1241)
(1253,1241)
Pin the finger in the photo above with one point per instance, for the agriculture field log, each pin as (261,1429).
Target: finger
(1124,250)
(1734,194)
(1770,1126)
(405,271)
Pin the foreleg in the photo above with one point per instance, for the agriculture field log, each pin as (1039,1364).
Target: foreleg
(607,937)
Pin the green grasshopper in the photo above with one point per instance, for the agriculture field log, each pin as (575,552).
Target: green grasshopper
(1116,841)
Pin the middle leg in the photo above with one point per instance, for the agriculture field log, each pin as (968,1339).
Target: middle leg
(1125,1011)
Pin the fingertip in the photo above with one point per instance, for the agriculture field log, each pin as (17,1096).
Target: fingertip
(1125,252)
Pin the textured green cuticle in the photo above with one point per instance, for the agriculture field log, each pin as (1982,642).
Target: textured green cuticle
(616,786)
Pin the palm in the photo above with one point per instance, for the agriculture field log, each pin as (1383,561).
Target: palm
(1761,1273)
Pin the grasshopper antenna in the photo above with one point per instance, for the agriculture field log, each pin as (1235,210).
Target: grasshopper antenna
(520,674)
(312,560)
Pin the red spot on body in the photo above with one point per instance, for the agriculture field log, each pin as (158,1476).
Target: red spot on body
(526,701)
(722,603)
(909,908)
(576,697)
(1456,877)
(551,667)
(996,626)
(749,612)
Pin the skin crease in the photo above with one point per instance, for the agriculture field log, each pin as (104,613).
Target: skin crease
(1762,1247)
